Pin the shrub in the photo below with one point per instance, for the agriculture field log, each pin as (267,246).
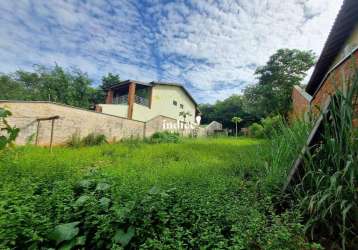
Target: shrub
(272,125)
(8,134)
(256,130)
(74,141)
(94,139)
(164,137)
(91,139)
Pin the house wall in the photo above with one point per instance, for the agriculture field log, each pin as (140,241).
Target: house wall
(162,104)
(115,109)
(72,121)
(212,127)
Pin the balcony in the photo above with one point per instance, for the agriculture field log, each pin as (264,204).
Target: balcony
(123,99)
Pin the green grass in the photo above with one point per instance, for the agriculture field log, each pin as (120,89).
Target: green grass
(199,193)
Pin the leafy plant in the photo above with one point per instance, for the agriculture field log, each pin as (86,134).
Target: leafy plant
(164,137)
(91,139)
(328,193)
(8,134)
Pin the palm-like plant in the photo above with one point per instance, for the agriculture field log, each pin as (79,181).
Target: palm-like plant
(236,120)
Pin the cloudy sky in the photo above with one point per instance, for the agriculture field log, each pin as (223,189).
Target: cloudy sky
(212,47)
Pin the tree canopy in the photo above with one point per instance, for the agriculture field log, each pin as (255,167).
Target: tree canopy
(272,94)
(72,87)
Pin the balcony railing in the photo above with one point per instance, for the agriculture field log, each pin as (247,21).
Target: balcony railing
(123,99)
(141,101)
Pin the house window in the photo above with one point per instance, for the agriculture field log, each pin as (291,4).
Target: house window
(175,103)
(181,106)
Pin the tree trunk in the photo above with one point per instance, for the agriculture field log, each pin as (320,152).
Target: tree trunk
(236,128)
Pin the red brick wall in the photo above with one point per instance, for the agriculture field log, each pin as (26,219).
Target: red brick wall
(336,80)
(300,104)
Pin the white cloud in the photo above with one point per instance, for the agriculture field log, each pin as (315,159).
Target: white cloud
(209,46)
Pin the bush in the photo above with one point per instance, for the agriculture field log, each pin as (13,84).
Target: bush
(272,125)
(256,130)
(94,139)
(8,134)
(91,139)
(164,137)
(74,141)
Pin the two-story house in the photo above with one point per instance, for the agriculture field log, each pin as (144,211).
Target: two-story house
(144,101)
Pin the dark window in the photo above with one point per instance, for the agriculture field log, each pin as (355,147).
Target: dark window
(175,103)
(181,106)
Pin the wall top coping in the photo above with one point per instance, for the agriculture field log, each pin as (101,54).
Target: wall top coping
(303,93)
(65,105)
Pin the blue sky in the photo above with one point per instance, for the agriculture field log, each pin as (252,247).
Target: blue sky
(211,47)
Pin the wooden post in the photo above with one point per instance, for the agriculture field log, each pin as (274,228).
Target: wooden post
(131,99)
(37,132)
(52,119)
(51,140)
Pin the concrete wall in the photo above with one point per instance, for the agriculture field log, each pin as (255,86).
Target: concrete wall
(120,110)
(77,121)
(72,121)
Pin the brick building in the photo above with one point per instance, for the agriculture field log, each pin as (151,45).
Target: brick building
(336,65)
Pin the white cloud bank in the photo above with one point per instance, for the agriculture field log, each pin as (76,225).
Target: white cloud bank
(213,47)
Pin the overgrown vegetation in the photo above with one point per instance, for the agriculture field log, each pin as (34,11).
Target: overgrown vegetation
(200,193)
(328,195)
(91,139)
(8,134)
(164,137)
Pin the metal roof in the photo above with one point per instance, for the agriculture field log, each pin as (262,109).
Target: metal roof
(343,26)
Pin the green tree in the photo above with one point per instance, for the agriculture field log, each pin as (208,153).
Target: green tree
(56,84)
(236,120)
(272,94)
(223,111)
(110,80)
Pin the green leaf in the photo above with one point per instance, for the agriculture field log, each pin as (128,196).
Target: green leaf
(124,237)
(104,202)
(64,232)
(78,241)
(102,186)
(82,200)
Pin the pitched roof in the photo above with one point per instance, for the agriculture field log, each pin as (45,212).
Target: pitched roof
(343,26)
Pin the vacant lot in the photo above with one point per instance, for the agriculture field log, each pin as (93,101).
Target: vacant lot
(205,193)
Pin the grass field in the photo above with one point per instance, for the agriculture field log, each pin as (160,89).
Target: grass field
(196,194)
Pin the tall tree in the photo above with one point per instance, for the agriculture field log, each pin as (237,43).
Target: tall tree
(223,111)
(110,80)
(272,93)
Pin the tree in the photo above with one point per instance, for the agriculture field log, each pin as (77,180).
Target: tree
(56,84)
(110,80)
(236,120)
(223,111)
(272,94)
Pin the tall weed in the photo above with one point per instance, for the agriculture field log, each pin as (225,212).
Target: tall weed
(328,194)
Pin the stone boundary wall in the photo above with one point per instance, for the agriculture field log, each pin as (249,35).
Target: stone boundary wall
(72,121)
(77,121)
